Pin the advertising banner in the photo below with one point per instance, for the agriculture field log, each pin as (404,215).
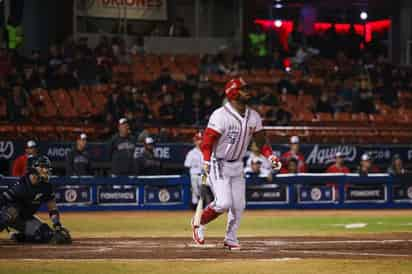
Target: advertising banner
(117,195)
(73,195)
(267,194)
(131,9)
(315,194)
(163,194)
(365,193)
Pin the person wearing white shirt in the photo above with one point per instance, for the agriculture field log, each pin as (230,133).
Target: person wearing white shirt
(194,162)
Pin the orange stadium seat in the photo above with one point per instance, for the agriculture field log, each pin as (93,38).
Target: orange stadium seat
(3,108)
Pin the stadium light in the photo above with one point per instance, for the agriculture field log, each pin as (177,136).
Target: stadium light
(278,23)
(364,15)
(278,6)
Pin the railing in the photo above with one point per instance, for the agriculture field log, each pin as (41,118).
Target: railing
(306,191)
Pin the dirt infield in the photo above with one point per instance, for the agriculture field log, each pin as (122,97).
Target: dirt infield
(383,246)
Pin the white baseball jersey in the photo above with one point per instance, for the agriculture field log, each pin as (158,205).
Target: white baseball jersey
(194,161)
(236,131)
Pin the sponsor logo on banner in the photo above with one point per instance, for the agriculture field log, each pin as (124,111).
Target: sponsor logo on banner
(316,194)
(6,149)
(159,152)
(164,195)
(70,195)
(132,9)
(327,155)
(113,194)
(58,152)
(410,192)
(379,154)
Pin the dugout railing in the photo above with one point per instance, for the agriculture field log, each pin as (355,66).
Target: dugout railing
(172,192)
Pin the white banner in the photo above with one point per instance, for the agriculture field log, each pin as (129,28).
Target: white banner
(132,9)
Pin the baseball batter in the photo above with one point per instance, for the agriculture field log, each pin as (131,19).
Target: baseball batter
(225,141)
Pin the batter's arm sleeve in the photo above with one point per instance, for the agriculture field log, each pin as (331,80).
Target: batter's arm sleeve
(210,137)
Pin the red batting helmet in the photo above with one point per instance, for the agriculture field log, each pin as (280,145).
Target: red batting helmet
(232,88)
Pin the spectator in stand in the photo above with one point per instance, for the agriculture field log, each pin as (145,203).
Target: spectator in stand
(63,79)
(324,105)
(17,104)
(256,172)
(167,113)
(365,167)
(291,166)
(78,159)
(338,166)
(147,163)
(194,162)
(278,116)
(24,161)
(256,154)
(115,106)
(55,58)
(104,64)
(31,79)
(122,146)
(365,96)
(178,29)
(85,69)
(5,63)
(139,107)
(396,168)
(294,153)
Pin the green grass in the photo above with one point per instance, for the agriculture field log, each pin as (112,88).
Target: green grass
(254,223)
(218,267)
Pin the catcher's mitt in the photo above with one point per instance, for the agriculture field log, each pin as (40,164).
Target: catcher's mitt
(61,237)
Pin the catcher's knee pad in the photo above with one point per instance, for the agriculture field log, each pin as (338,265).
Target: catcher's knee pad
(42,235)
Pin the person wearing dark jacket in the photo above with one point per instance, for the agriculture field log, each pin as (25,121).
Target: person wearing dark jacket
(147,163)
(78,159)
(122,147)
(20,202)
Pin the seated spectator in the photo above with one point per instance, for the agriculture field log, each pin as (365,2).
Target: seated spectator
(256,154)
(31,79)
(365,167)
(115,106)
(291,166)
(85,69)
(178,29)
(278,116)
(294,153)
(396,168)
(23,162)
(167,113)
(78,160)
(139,107)
(55,58)
(147,163)
(63,79)
(324,105)
(338,166)
(17,104)
(256,171)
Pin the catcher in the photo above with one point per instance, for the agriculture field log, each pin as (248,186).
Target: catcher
(21,201)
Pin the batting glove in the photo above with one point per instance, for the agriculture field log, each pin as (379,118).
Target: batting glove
(275,162)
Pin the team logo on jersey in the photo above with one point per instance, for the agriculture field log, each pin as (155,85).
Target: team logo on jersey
(233,135)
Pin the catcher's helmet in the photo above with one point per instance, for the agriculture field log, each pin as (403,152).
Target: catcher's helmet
(233,86)
(42,161)
(42,166)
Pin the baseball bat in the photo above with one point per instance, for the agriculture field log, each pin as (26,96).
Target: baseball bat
(199,207)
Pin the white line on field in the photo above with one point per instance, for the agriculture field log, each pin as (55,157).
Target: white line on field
(153,260)
(344,253)
(277,243)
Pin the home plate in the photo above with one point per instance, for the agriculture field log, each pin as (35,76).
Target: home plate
(202,246)
(357,225)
